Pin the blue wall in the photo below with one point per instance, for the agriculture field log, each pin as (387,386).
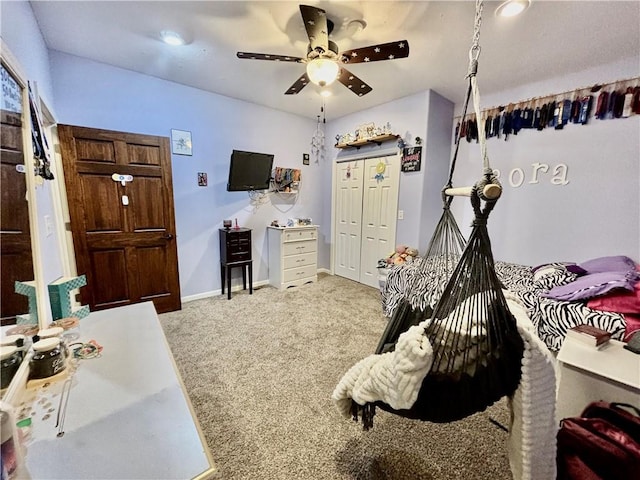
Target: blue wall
(597,213)
(97,95)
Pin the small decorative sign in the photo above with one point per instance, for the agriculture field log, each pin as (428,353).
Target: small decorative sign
(181,142)
(411,160)
(202,179)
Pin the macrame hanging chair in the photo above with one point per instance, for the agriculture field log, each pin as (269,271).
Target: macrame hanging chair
(477,349)
(436,265)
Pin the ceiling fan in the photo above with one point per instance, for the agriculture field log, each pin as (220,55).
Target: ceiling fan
(324,60)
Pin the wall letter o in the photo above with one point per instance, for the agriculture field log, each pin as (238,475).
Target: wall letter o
(520,181)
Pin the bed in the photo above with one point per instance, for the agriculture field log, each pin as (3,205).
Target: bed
(603,292)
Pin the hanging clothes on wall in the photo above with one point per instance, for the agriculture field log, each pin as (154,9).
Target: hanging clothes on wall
(615,100)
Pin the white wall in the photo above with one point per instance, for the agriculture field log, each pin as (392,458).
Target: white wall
(597,213)
(97,95)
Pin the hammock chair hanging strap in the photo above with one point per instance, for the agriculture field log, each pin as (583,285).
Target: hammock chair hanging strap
(490,187)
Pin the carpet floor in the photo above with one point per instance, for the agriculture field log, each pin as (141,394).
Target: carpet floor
(260,370)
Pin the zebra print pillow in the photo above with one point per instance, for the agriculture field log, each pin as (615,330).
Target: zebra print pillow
(553,275)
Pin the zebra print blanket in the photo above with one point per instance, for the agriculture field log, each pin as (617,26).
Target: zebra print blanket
(423,286)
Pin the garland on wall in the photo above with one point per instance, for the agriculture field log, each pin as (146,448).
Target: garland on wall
(613,100)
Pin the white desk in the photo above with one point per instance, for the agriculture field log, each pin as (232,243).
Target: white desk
(587,374)
(127,415)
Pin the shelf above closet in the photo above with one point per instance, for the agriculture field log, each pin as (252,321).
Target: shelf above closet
(377,140)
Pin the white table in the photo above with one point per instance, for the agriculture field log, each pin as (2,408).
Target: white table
(610,373)
(128,416)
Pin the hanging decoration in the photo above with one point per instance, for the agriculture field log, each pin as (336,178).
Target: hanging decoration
(613,100)
(41,155)
(286,179)
(317,141)
(380,169)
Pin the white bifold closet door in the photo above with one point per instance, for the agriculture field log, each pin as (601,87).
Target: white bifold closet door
(366,215)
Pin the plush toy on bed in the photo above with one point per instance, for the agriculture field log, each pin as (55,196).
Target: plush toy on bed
(402,254)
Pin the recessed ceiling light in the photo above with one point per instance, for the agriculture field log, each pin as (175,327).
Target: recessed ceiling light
(172,38)
(511,8)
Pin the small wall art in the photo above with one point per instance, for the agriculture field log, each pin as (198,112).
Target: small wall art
(411,159)
(181,142)
(202,179)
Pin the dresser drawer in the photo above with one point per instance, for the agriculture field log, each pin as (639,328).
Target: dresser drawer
(299,273)
(296,248)
(293,261)
(295,235)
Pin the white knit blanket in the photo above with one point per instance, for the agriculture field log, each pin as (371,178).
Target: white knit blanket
(533,429)
(396,377)
(393,377)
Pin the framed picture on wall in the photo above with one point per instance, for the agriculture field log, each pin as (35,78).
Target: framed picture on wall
(181,142)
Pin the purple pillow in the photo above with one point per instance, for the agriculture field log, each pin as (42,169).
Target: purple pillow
(618,263)
(592,285)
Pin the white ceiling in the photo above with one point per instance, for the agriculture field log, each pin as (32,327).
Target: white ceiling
(550,39)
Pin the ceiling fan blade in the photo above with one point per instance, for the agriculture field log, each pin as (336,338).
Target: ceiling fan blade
(375,53)
(353,83)
(315,22)
(298,85)
(269,56)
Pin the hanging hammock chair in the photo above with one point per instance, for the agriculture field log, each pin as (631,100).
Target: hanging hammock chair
(477,350)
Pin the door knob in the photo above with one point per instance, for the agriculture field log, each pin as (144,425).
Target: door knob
(168,236)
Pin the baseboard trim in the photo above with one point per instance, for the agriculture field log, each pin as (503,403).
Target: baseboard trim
(215,293)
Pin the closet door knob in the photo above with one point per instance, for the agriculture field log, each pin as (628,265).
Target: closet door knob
(168,236)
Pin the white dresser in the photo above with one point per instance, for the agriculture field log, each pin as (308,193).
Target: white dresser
(609,373)
(293,256)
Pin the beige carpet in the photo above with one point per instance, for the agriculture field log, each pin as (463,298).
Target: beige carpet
(260,370)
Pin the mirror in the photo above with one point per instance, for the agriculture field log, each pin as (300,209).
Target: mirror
(16,262)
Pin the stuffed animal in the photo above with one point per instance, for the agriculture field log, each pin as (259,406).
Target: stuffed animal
(400,255)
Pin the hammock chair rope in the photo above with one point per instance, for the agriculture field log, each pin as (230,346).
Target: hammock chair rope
(474,344)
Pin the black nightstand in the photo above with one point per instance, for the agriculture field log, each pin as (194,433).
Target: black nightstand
(235,251)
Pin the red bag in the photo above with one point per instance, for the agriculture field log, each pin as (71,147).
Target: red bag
(602,444)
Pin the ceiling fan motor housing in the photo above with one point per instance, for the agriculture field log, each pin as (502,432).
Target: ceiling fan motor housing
(319,52)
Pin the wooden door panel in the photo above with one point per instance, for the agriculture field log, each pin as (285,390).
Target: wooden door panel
(146,215)
(107,265)
(12,267)
(101,213)
(154,281)
(143,155)
(129,251)
(11,133)
(14,191)
(96,151)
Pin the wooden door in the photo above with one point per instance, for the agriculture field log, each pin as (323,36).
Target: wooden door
(124,235)
(379,207)
(348,221)
(16,262)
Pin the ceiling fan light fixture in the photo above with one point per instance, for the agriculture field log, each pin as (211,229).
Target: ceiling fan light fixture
(172,38)
(511,8)
(322,71)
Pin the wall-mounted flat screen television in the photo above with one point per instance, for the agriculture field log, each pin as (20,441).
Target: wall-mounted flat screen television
(249,171)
